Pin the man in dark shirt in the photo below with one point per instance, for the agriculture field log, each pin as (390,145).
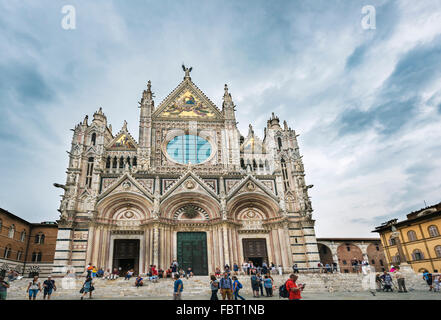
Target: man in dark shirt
(48,286)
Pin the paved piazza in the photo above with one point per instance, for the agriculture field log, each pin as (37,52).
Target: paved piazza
(197,288)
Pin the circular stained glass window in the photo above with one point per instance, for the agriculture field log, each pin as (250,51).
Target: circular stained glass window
(189,149)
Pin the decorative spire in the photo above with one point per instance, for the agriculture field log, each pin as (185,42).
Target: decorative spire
(124,127)
(85,120)
(250,130)
(147,95)
(187,71)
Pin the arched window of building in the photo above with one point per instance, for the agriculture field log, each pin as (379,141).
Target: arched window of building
(285,174)
(438,251)
(11,231)
(381,263)
(392,241)
(279,142)
(242,164)
(7,253)
(266,165)
(128,161)
(254,164)
(377,247)
(36,256)
(396,258)
(121,162)
(108,162)
(39,238)
(23,236)
(93,139)
(433,231)
(411,235)
(417,254)
(89,172)
(134,162)
(348,248)
(19,255)
(372,261)
(115,163)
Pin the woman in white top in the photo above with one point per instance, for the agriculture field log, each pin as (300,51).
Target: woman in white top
(33,288)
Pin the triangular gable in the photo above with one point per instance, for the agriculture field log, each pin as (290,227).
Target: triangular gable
(193,177)
(187,101)
(256,183)
(133,186)
(123,140)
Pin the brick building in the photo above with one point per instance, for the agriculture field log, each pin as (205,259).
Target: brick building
(345,250)
(26,247)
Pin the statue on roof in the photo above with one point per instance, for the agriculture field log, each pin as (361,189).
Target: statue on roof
(187,71)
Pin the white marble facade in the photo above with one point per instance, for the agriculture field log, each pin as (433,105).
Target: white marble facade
(237,188)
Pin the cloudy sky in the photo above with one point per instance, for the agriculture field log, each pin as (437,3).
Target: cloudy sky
(366,102)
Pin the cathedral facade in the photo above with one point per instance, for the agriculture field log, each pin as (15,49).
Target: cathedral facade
(191,189)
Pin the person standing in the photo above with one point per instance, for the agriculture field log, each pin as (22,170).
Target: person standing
(428,277)
(293,289)
(268,284)
(3,288)
(177,288)
(259,276)
(295,268)
(33,288)
(48,287)
(264,268)
(235,268)
(255,285)
(87,288)
(226,286)
(236,287)
(280,270)
(400,280)
(214,286)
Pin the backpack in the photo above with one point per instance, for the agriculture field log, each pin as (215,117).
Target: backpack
(239,285)
(283,292)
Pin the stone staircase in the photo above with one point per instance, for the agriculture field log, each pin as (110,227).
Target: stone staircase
(198,286)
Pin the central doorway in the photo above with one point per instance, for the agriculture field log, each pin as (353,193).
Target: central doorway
(192,252)
(126,255)
(255,250)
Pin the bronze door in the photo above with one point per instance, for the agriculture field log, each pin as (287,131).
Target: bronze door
(192,252)
(254,249)
(126,255)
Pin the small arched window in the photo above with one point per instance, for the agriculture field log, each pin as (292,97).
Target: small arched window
(433,231)
(23,236)
(411,235)
(7,253)
(438,251)
(93,139)
(121,162)
(392,241)
(279,142)
(128,161)
(115,163)
(417,254)
(242,164)
(134,162)
(108,162)
(19,255)
(39,238)
(396,258)
(11,231)
(36,256)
